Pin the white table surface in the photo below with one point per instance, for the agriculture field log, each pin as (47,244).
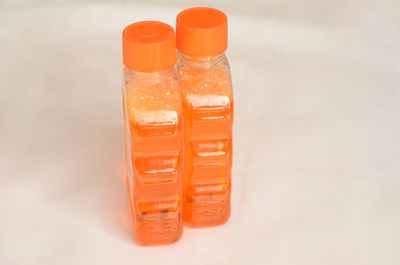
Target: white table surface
(316,175)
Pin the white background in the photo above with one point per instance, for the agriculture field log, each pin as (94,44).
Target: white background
(316,173)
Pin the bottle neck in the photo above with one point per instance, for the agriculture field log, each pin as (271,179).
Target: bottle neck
(201,62)
(152,77)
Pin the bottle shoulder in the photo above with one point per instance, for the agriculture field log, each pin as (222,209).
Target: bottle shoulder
(152,97)
(210,79)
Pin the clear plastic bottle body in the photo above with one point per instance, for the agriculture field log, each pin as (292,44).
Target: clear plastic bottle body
(208,119)
(154,150)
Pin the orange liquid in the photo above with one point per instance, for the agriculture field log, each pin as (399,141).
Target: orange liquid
(154,150)
(208,118)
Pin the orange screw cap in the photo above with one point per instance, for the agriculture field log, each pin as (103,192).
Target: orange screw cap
(201,32)
(148,46)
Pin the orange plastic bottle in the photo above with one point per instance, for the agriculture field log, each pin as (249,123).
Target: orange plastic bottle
(153,130)
(206,86)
